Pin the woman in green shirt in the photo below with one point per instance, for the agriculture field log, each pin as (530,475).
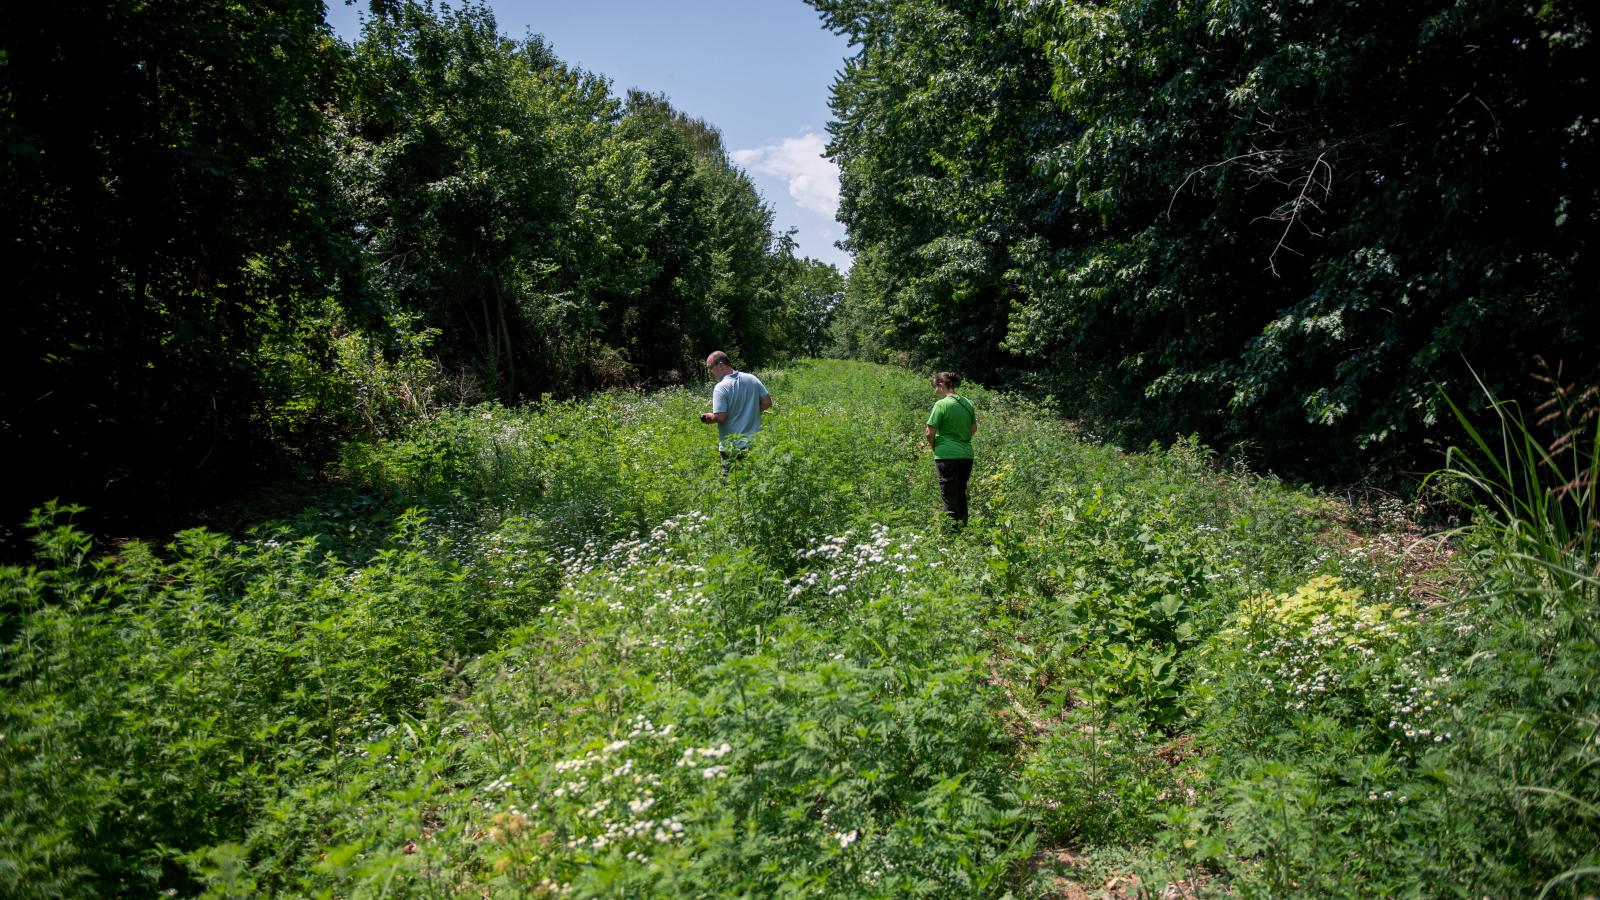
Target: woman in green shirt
(951,425)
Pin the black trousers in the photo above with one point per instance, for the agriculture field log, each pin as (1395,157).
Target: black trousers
(953,477)
(731,456)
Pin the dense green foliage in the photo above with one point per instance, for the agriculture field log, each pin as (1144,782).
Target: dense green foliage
(541,651)
(488,646)
(814,292)
(162,175)
(237,242)
(1277,225)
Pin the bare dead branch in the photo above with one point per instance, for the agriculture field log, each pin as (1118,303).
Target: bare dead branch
(1217,165)
(1290,212)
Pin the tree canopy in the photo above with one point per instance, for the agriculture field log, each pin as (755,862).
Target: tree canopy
(239,240)
(1282,225)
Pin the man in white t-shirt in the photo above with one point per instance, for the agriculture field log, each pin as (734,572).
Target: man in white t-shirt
(737,402)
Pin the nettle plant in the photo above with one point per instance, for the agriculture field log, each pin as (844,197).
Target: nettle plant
(681,719)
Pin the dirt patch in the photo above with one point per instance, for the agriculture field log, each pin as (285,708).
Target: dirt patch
(1019,722)
(1065,874)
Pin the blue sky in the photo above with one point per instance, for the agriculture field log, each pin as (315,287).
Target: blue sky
(759,70)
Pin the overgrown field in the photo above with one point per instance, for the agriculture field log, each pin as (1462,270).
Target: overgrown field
(551,651)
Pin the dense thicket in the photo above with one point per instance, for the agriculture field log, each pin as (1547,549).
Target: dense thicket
(164,182)
(541,652)
(237,240)
(552,651)
(1275,224)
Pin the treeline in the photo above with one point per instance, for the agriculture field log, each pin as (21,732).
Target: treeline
(235,240)
(1283,226)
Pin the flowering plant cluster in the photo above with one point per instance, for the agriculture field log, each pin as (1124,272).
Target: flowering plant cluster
(859,564)
(616,796)
(1322,650)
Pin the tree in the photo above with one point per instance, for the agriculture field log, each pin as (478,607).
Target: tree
(556,237)
(937,118)
(812,294)
(164,165)
(457,191)
(1272,224)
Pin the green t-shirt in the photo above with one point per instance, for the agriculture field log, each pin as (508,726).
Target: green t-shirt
(952,420)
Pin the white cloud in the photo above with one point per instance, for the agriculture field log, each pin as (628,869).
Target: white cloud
(813,180)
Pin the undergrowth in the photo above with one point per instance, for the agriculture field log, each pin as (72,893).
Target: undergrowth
(551,651)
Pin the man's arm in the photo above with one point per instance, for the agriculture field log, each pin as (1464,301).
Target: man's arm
(719,405)
(766,402)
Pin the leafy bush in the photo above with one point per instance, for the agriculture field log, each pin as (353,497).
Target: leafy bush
(1362,747)
(1097,778)
(1321,652)
(154,702)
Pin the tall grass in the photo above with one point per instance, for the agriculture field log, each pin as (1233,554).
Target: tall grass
(1530,621)
(1534,487)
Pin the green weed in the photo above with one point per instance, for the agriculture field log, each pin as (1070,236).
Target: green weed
(553,651)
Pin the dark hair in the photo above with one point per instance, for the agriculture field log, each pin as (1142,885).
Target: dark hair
(946,380)
(718,358)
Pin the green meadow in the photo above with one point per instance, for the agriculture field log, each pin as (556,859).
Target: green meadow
(550,651)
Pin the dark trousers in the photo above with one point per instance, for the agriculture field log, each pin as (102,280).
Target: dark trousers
(953,476)
(730,456)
